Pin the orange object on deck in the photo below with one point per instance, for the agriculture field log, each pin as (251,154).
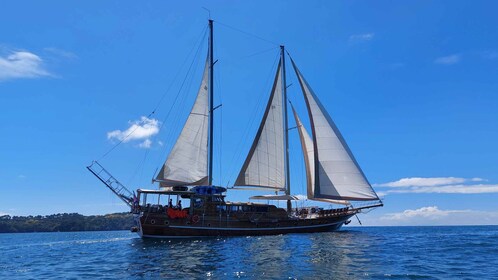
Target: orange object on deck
(176,213)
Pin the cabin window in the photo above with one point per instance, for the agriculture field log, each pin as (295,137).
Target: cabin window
(221,208)
(234,208)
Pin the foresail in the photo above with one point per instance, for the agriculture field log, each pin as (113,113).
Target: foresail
(264,165)
(309,162)
(308,154)
(188,160)
(337,175)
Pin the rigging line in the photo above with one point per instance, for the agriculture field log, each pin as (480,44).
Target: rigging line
(247,33)
(201,39)
(260,52)
(220,133)
(236,156)
(182,85)
(256,109)
(158,104)
(139,165)
(126,137)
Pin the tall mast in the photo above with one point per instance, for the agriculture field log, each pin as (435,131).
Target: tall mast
(211,97)
(286,129)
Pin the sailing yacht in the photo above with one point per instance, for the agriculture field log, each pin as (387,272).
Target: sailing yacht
(333,175)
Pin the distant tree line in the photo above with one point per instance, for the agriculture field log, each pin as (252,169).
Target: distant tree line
(65,222)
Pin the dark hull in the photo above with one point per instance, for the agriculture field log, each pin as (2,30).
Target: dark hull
(159,227)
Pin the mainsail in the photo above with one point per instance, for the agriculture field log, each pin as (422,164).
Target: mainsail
(335,173)
(187,163)
(264,165)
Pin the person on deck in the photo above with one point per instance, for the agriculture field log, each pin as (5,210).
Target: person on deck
(170,203)
(179,204)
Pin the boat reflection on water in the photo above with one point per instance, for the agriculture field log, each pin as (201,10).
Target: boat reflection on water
(342,254)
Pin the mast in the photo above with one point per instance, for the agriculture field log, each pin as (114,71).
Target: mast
(211,111)
(286,129)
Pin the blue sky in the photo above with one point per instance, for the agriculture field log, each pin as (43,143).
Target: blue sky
(411,85)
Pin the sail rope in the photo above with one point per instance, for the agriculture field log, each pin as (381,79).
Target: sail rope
(153,112)
(186,81)
(260,52)
(247,33)
(220,134)
(252,120)
(186,84)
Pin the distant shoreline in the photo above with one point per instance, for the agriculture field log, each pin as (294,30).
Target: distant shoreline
(74,222)
(65,222)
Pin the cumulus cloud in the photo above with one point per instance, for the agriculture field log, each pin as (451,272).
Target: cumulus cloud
(438,185)
(459,189)
(22,64)
(432,215)
(430,212)
(145,144)
(361,37)
(139,130)
(448,60)
(426,182)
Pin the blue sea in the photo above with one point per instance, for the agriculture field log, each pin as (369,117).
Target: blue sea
(469,252)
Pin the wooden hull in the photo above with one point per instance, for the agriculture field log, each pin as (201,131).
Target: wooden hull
(159,226)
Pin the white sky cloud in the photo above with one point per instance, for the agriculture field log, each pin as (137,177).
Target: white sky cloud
(430,212)
(455,185)
(460,189)
(427,182)
(448,60)
(145,144)
(22,64)
(361,37)
(432,215)
(139,130)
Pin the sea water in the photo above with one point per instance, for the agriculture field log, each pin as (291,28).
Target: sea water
(467,252)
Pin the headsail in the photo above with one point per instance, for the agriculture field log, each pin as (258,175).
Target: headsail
(187,163)
(309,161)
(264,165)
(337,175)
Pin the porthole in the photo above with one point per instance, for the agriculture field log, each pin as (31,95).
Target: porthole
(152,222)
(166,223)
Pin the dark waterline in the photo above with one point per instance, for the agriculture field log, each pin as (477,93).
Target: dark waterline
(469,252)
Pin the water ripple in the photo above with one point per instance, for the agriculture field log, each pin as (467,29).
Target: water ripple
(355,253)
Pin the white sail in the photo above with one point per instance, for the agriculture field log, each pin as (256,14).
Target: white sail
(337,175)
(264,165)
(309,162)
(187,163)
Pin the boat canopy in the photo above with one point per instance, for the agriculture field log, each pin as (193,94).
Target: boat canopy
(275,197)
(164,191)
